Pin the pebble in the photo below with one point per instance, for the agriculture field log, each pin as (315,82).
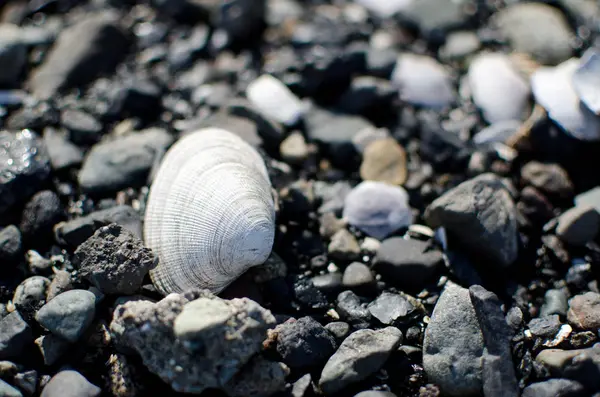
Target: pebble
(578,225)
(69,383)
(358,276)
(409,264)
(384,160)
(13,54)
(329,225)
(82,52)
(83,128)
(25,167)
(389,308)
(7,390)
(339,329)
(352,310)
(328,283)
(554,388)
(122,162)
(52,348)
(193,331)
(459,45)
(31,293)
(343,246)
(304,343)
(497,88)
(27,381)
(422,81)
(584,311)
(577,365)
(76,231)
(302,387)
(553,89)
(260,377)
(63,154)
(40,214)
(69,314)
(114,260)
(332,196)
(368,136)
(377,208)
(60,283)
(380,62)
(360,354)
(275,100)
(551,179)
(481,214)
(586,82)
(545,327)
(294,149)
(453,345)
(434,19)
(497,132)
(536,29)
(15,336)
(555,302)
(11,247)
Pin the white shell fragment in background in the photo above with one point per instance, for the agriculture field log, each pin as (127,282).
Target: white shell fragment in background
(497,88)
(210,214)
(553,89)
(586,80)
(377,208)
(422,81)
(275,100)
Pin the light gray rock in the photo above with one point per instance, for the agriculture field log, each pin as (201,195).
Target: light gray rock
(361,354)
(554,388)
(31,293)
(69,314)
(69,383)
(7,390)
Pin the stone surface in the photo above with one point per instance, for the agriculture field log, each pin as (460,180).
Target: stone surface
(114,260)
(377,208)
(545,327)
(384,160)
(361,354)
(554,388)
(15,336)
(453,347)
(10,244)
(481,214)
(584,311)
(7,390)
(390,308)
(343,246)
(69,383)
(122,162)
(551,179)
(304,343)
(51,347)
(578,225)
(69,314)
(30,295)
(40,214)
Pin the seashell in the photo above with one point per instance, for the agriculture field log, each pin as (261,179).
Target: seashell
(210,214)
(586,80)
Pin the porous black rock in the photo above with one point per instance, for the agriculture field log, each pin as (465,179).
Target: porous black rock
(304,343)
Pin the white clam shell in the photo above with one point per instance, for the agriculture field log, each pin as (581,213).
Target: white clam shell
(210,214)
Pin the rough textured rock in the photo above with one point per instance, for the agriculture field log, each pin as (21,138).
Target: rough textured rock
(114,260)
(69,314)
(343,246)
(69,383)
(304,343)
(551,179)
(555,388)
(258,378)
(481,214)
(212,338)
(361,354)
(389,308)
(584,311)
(40,214)
(15,336)
(453,347)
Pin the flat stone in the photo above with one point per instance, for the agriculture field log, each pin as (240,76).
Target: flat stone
(69,383)
(339,329)
(361,354)
(545,327)
(584,311)
(384,160)
(578,225)
(15,336)
(69,314)
(389,308)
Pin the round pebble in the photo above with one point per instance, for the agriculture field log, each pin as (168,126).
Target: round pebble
(384,160)
(69,314)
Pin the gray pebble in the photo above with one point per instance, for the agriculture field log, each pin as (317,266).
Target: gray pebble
(481,214)
(69,314)
(259,377)
(15,336)
(459,45)
(389,308)
(69,383)
(10,244)
(339,329)
(352,310)
(302,386)
(114,260)
(545,327)
(555,302)
(60,283)
(62,152)
(357,275)
(360,354)
(27,381)
(555,388)
(551,179)
(7,390)
(578,225)
(343,246)
(51,347)
(304,343)
(31,293)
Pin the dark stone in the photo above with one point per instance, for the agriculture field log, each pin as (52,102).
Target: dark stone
(328,283)
(409,264)
(555,388)
(374,393)
(380,62)
(352,310)
(136,97)
(10,244)
(76,231)
(578,225)
(60,283)
(51,347)
(367,95)
(358,276)
(24,167)
(551,179)
(69,383)
(91,47)
(27,381)
(41,213)
(308,295)
(83,127)
(545,327)
(15,336)
(535,206)
(63,154)
(389,308)
(304,343)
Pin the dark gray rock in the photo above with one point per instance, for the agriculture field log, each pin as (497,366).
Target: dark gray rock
(338,329)
(453,346)
(361,354)
(343,246)
(555,302)
(332,196)
(15,336)
(13,54)
(10,244)
(389,308)
(584,311)
(555,388)
(304,343)
(260,377)
(545,327)
(82,52)
(481,214)
(123,162)
(352,310)
(578,225)
(498,372)
(69,314)
(7,390)
(408,264)
(69,383)
(367,95)
(24,166)
(27,381)
(40,214)
(76,231)
(114,260)
(358,276)
(63,154)
(30,295)
(551,179)
(83,128)
(328,283)
(51,347)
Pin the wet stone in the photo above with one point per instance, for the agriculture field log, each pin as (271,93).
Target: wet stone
(389,308)
(10,244)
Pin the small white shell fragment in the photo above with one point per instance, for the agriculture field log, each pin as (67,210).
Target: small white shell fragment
(497,88)
(497,132)
(422,230)
(562,334)
(422,81)
(586,80)
(210,214)
(553,89)
(272,98)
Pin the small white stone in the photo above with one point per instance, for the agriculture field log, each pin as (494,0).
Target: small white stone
(272,98)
